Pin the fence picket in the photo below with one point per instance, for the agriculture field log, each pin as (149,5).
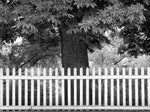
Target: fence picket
(20,88)
(75,87)
(13,88)
(142,88)
(63,91)
(1,88)
(7,88)
(44,88)
(38,87)
(56,88)
(106,88)
(118,88)
(112,87)
(99,88)
(81,87)
(124,87)
(136,88)
(69,87)
(87,86)
(130,87)
(32,87)
(26,88)
(148,86)
(93,87)
(50,88)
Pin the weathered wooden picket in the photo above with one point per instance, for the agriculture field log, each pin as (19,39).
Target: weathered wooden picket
(108,88)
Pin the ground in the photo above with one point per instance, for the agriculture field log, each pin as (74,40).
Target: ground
(76,111)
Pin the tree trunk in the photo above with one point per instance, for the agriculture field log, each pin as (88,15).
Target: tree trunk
(74,55)
(74,51)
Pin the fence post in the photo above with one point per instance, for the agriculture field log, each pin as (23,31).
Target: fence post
(1,88)
(148,71)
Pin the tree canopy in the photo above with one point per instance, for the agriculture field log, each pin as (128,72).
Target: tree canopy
(42,21)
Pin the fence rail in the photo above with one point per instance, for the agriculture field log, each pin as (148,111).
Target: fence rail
(102,88)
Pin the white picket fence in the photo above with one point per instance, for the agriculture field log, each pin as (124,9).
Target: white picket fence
(108,88)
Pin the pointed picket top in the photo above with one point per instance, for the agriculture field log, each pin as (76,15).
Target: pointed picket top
(1,71)
(62,71)
(13,71)
(7,72)
(99,71)
(20,71)
(142,70)
(93,72)
(123,71)
(106,71)
(26,71)
(87,71)
(118,71)
(130,70)
(44,71)
(50,71)
(68,71)
(75,71)
(112,71)
(136,71)
(81,71)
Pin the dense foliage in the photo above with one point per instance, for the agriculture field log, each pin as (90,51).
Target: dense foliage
(40,22)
